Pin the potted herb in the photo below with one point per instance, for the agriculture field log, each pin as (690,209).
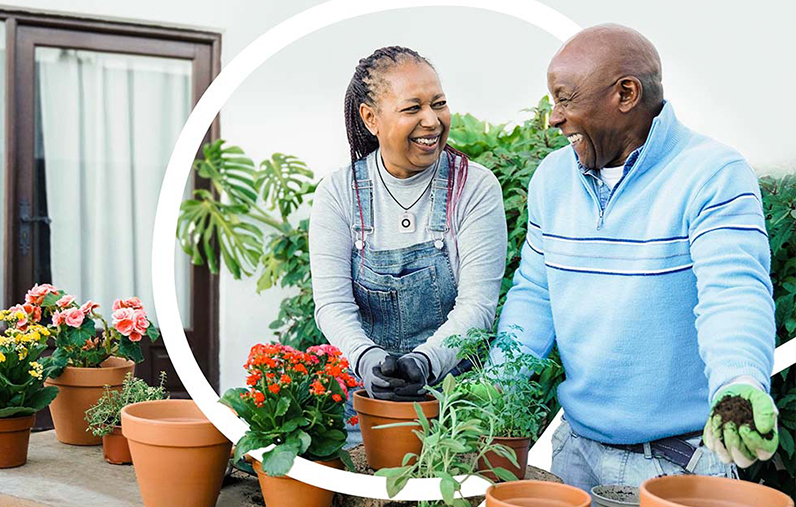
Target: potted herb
(87,356)
(452,445)
(105,420)
(22,391)
(294,400)
(505,389)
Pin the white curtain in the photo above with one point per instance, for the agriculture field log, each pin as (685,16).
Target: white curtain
(108,125)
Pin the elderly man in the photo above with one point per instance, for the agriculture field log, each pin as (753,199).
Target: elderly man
(646,262)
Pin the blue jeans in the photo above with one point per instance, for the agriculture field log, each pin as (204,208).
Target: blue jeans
(584,463)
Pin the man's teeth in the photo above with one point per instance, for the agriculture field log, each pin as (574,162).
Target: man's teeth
(427,141)
(574,138)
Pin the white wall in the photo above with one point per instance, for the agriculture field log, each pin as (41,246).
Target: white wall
(728,70)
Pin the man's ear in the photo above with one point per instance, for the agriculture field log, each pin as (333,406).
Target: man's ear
(630,93)
(368,115)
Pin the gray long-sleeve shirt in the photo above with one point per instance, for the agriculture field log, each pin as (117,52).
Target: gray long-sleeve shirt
(477,255)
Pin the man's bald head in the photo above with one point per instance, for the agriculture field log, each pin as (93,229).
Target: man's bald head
(610,52)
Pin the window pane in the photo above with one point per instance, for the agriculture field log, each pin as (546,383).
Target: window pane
(105,127)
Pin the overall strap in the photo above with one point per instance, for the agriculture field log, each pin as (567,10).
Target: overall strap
(439,197)
(364,186)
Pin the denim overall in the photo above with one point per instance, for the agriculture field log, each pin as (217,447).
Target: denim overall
(403,295)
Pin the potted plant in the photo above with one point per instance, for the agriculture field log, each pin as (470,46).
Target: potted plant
(22,390)
(87,357)
(387,446)
(505,389)
(451,445)
(294,400)
(105,420)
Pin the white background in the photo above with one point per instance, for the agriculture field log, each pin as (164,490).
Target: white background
(728,70)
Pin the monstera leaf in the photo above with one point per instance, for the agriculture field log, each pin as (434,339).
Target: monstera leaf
(209,230)
(283,181)
(230,171)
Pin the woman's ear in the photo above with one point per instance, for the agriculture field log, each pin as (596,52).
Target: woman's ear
(368,115)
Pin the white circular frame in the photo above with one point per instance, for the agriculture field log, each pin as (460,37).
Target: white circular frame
(179,169)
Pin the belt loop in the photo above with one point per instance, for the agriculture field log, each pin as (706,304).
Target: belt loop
(692,463)
(647,450)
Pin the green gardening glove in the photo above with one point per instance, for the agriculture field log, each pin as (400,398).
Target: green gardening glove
(743,445)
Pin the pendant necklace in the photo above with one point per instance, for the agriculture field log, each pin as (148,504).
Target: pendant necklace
(406,221)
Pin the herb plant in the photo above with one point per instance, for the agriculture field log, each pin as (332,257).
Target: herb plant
(516,393)
(107,412)
(295,400)
(452,445)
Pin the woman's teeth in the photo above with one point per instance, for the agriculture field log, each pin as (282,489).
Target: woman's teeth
(426,141)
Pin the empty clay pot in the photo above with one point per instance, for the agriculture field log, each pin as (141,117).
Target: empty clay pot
(614,496)
(702,491)
(14,438)
(179,456)
(385,448)
(287,492)
(520,446)
(115,448)
(536,494)
(79,389)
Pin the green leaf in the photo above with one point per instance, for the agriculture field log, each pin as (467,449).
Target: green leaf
(396,484)
(504,474)
(281,407)
(152,333)
(130,350)
(392,472)
(278,461)
(786,441)
(345,457)
(447,487)
(232,398)
(42,398)
(16,411)
(250,441)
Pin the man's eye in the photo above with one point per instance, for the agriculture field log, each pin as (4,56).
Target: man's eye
(412,109)
(441,103)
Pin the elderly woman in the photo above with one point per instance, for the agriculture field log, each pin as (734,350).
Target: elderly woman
(408,243)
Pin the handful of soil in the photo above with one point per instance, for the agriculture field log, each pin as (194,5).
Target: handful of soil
(739,411)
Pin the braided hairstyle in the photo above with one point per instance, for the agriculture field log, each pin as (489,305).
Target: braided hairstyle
(366,84)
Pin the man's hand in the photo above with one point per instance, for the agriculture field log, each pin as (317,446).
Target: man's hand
(743,445)
(405,378)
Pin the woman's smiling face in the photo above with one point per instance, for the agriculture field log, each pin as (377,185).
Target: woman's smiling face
(411,119)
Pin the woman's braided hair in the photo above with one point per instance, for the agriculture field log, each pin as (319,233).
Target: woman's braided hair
(366,84)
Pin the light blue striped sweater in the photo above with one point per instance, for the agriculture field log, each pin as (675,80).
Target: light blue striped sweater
(658,299)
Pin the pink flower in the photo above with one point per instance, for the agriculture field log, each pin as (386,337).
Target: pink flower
(141,322)
(133,303)
(124,320)
(135,337)
(89,307)
(65,301)
(58,318)
(36,294)
(73,317)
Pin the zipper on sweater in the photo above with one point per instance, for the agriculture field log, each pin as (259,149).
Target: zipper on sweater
(590,189)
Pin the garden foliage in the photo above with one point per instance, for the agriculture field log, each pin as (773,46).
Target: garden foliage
(107,411)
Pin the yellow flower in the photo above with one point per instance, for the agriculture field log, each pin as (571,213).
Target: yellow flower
(2,357)
(20,315)
(22,353)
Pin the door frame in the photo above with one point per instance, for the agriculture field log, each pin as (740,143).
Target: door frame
(24,32)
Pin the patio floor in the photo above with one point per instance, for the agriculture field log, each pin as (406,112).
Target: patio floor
(60,475)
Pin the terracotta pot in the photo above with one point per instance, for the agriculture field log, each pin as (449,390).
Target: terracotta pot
(78,389)
(287,492)
(702,491)
(536,494)
(520,446)
(179,456)
(14,438)
(385,448)
(115,448)
(614,496)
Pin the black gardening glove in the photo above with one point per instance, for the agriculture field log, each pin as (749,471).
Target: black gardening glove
(406,377)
